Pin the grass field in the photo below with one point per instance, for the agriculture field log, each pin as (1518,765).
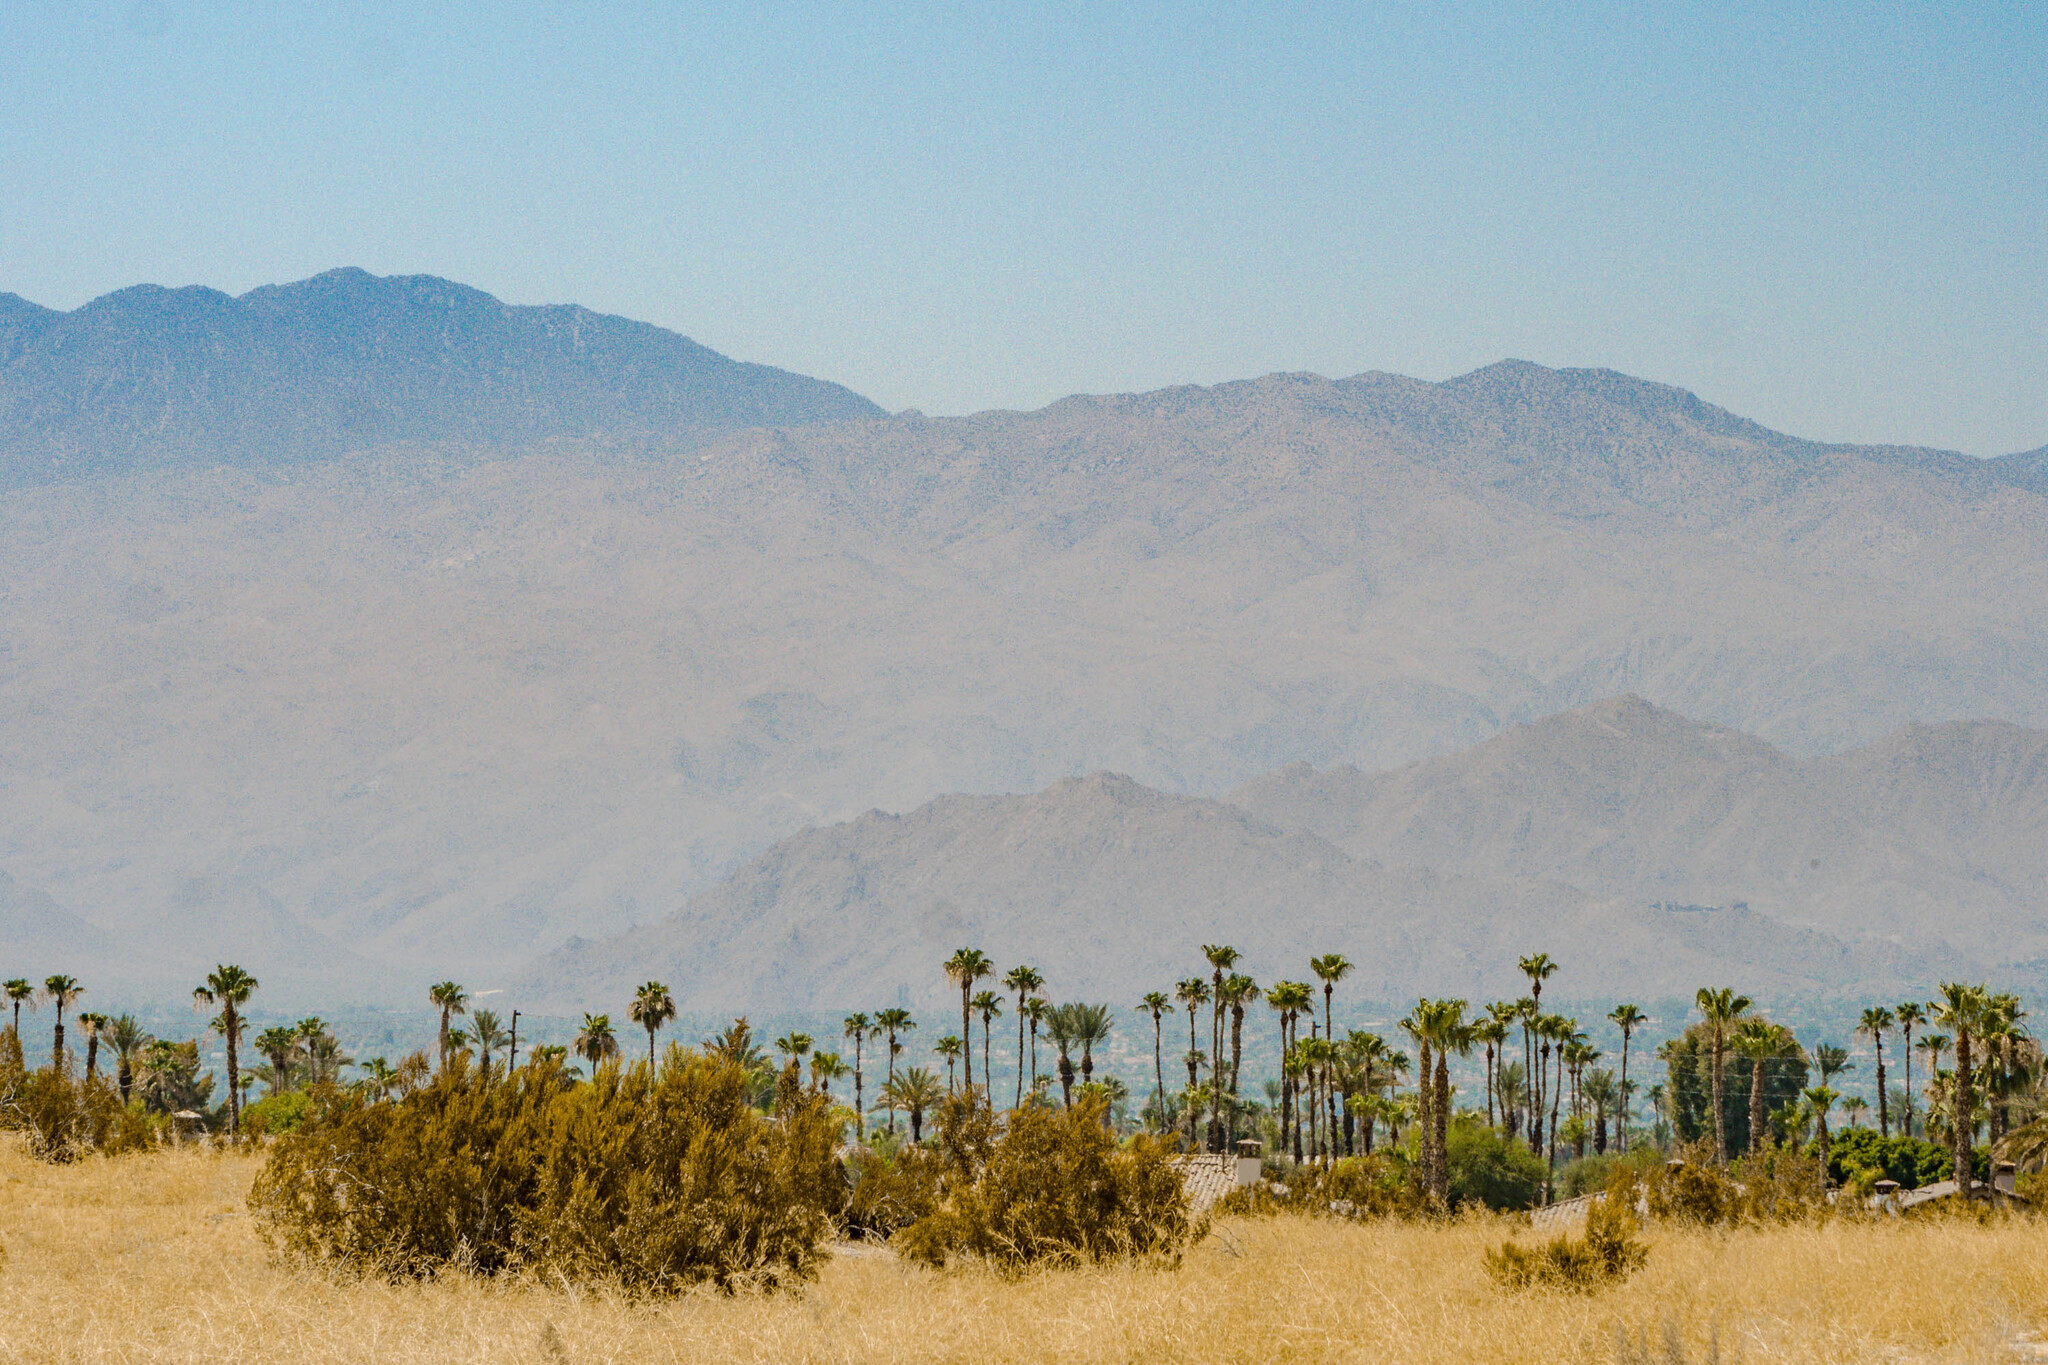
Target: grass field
(155,1259)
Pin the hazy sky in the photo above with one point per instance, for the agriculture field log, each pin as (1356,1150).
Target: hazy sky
(1831,218)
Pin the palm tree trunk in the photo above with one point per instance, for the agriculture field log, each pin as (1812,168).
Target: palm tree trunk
(92,1058)
(1425,1103)
(1019,1102)
(1907,1120)
(1621,1120)
(988,1075)
(1962,1125)
(1236,1058)
(1884,1127)
(860,1113)
(967,1033)
(1756,1105)
(1158,1071)
(1442,1106)
(234,1030)
(1718,1063)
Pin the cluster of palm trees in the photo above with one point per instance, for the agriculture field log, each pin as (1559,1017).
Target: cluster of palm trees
(162,1073)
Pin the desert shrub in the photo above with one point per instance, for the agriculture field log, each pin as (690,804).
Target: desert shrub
(891,1189)
(277,1113)
(1785,1185)
(64,1119)
(651,1180)
(1489,1169)
(1608,1252)
(1051,1188)
(1696,1192)
(1382,1185)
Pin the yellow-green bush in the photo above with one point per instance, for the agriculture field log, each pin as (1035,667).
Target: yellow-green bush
(1607,1253)
(1382,1185)
(64,1119)
(651,1180)
(1050,1188)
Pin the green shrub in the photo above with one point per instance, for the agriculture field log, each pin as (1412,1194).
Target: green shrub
(1051,1188)
(650,1180)
(1911,1161)
(1607,1253)
(1488,1169)
(277,1113)
(1382,1185)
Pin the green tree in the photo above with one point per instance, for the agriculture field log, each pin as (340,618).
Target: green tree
(862,1031)
(652,1007)
(916,1092)
(93,1026)
(1538,968)
(1237,989)
(895,1023)
(1720,1008)
(450,999)
(129,1041)
(950,1047)
(1875,1021)
(1024,981)
(1831,1061)
(595,1042)
(276,1046)
(20,993)
(1627,1018)
(61,991)
(1910,1015)
(1819,1100)
(1961,1007)
(988,1005)
(965,967)
(1156,1003)
(490,1037)
(228,988)
(1222,957)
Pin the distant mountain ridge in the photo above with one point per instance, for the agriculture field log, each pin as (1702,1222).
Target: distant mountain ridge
(1110,886)
(347,361)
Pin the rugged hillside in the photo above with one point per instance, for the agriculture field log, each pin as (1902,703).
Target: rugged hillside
(347,361)
(444,708)
(1932,833)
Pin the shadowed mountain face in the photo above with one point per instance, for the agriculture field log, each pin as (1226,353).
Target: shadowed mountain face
(1111,888)
(348,361)
(446,708)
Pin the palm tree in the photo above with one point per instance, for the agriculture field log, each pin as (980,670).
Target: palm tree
(1490,1033)
(1156,1003)
(1962,1008)
(1091,1025)
(988,1005)
(275,1045)
(861,1030)
(1819,1101)
(1760,1041)
(1289,999)
(1628,1019)
(965,967)
(594,1041)
(1036,1009)
(129,1041)
(652,1007)
(1720,1008)
(1832,1061)
(1449,1031)
(60,991)
(893,1022)
(1060,1027)
(1855,1108)
(1238,988)
(1193,993)
(490,1036)
(1222,957)
(1538,968)
(92,1025)
(825,1069)
(451,1000)
(1603,1092)
(950,1047)
(1023,980)
(1330,968)
(1875,1021)
(916,1090)
(229,987)
(1909,1016)
(20,993)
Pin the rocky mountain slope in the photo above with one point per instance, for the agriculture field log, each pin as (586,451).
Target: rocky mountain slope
(1111,888)
(443,703)
(148,376)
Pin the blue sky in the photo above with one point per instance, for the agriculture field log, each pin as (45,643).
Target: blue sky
(1833,218)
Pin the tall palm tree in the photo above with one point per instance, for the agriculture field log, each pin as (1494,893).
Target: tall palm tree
(950,1047)
(988,1005)
(1092,1025)
(965,967)
(129,1041)
(1831,1061)
(1488,1034)
(490,1036)
(276,1045)
(1538,968)
(1819,1101)
(1450,1033)
(20,993)
(1330,968)
(894,1022)
(1721,1008)
(1023,980)
(825,1069)
(1961,1007)
(1060,1027)
(1036,1009)
(92,1025)
(1237,988)
(915,1091)
(1289,999)
(652,1007)
(1157,1003)
(1760,1041)
(594,1041)
(862,1030)
(1873,1024)
(1909,1016)
(1222,957)
(451,1000)
(61,991)
(229,988)
(1628,1019)
(1192,993)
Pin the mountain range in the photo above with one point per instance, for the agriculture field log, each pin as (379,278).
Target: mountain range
(1648,853)
(425,694)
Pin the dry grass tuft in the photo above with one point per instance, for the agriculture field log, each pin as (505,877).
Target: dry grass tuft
(154,1258)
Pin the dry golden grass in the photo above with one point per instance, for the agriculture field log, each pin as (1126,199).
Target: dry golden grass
(154,1259)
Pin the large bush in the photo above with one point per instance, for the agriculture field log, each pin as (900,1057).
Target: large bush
(1486,1168)
(649,1180)
(64,1118)
(1052,1187)
(1607,1253)
(1911,1161)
